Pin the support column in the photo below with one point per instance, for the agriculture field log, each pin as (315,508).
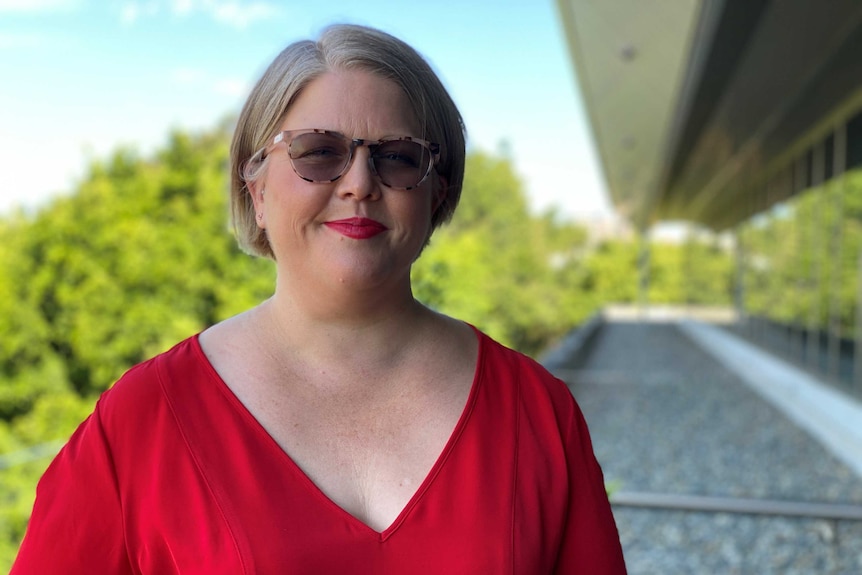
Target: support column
(818,175)
(797,329)
(643,271)
(857,352)
(739,280)
(839,160)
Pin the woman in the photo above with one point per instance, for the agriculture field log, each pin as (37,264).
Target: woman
(340,426)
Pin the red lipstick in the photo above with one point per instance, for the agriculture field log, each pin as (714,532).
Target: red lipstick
(357,228)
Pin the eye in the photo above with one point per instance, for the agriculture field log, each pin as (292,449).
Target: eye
(400,154)
(316,147)
(403,159)
(321,153)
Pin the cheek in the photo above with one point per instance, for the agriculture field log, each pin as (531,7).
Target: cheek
(413,216)
(429,206)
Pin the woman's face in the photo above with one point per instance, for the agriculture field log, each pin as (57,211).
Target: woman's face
(354,231)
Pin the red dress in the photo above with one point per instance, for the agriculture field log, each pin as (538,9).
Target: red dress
(171,474)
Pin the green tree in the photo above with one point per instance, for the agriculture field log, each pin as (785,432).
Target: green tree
(500,267)
(138,258)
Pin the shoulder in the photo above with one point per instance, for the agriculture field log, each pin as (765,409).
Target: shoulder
(139,419)
(551,429)
(543,403)
(551,425)
(141,390)
(532,379)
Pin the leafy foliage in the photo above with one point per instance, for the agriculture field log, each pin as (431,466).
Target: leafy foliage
(500,268)
(802,259)
(138,258)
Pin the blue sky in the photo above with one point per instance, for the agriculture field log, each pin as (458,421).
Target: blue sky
(80,77)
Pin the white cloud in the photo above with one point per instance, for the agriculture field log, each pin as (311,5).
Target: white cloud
(199,79)
(19,187)
(36,5)
(182,7)
(230,87)
(11,40)
(235,13)
(240,14)
(131,12)
(188,76)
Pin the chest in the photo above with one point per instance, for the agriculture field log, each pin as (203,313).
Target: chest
(221,495)
(366,441)
(368,459)
(485,506)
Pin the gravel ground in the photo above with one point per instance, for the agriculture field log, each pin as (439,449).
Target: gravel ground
(667,418)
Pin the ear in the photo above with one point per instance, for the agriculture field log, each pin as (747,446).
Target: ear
(256,191)
(439,192)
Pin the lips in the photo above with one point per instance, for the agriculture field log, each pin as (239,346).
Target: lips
(357,228)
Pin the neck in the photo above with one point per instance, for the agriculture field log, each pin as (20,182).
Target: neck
(363,330)
(343,303)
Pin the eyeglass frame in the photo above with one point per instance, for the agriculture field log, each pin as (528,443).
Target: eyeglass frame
(287,136)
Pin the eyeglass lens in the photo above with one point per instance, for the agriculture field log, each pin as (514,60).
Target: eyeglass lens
(323,157)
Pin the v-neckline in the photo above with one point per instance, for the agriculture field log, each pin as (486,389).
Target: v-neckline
(311,486)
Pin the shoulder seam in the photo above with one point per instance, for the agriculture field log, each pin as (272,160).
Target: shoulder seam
(162,378)
(518,408)
(97,419)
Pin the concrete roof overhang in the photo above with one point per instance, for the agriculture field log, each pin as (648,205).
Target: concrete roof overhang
(714,110)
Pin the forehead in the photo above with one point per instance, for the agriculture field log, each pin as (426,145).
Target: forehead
(356,103)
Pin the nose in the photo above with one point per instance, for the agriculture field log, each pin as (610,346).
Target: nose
(359,182)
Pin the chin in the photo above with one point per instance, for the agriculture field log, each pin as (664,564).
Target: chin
(374,276)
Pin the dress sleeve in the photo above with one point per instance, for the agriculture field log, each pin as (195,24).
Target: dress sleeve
(77,523)
(591,542)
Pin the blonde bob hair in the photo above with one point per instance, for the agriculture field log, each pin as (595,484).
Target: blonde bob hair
(341,47)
